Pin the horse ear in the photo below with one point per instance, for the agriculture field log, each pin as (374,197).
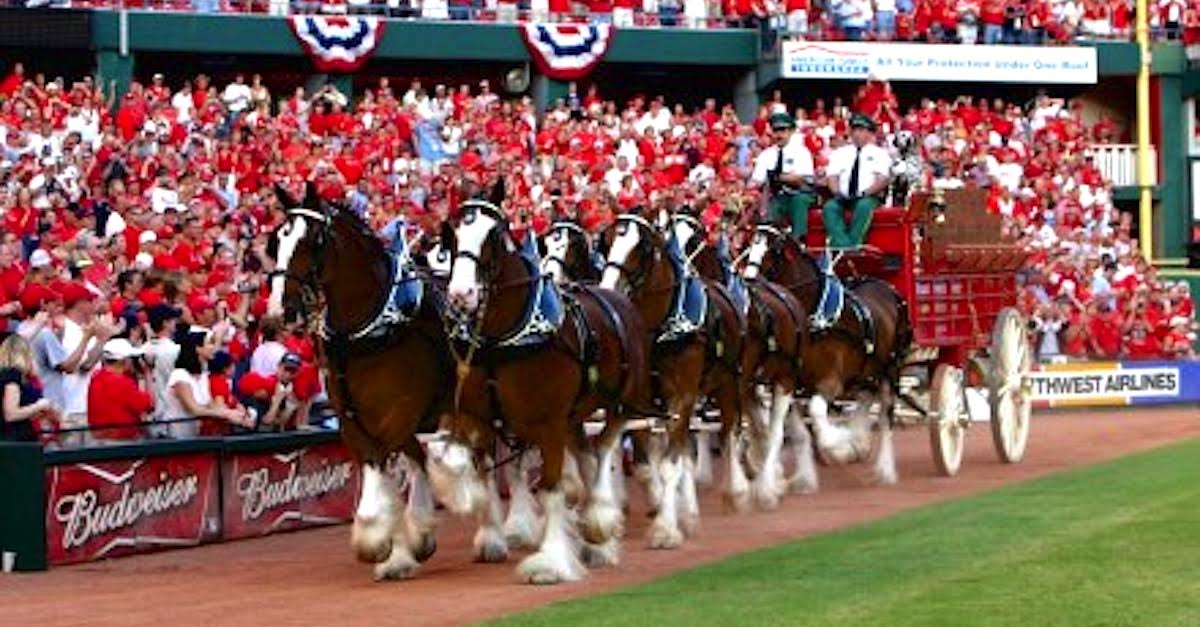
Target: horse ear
(285,198)
(497,195)
(311,199)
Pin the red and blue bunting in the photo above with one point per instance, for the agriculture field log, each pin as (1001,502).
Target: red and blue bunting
(566,52)
(337,44)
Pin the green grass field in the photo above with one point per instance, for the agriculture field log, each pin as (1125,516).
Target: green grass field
(1114,544)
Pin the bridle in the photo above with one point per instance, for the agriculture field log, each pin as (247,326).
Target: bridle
(570,229)
(310,281)
(636,280)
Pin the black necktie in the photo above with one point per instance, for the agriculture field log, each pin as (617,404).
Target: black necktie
(852,189)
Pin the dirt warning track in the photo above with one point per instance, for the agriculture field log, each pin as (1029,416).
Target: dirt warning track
(310,577)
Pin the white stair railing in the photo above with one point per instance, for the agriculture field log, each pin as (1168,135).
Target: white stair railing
(1118,163)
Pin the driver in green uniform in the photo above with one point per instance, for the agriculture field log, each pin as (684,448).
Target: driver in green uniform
(786,167)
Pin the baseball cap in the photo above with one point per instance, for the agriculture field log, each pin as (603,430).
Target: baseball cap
(34,296)
(291,360)
(161,313)
(76,293)
(119,348)
(40,259)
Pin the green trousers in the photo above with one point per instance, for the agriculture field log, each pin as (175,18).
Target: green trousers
(860,221)
(794,209)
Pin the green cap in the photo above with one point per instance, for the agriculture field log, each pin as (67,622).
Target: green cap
(781,120)
(859,120)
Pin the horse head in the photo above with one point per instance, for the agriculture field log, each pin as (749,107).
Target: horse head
(634,247)
(568,253)
(297,247)
(479,243)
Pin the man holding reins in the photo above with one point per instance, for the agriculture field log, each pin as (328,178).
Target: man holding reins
(787,169)
(858,174)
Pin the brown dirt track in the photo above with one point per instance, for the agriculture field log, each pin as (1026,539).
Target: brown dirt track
(310,577)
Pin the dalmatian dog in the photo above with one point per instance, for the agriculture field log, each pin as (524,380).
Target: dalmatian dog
(906,168)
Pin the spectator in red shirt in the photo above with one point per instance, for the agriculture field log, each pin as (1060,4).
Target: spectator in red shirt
(117,405)
(281,400)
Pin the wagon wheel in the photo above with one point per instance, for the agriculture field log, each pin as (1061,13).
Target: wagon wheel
(1008,388)
(947,432)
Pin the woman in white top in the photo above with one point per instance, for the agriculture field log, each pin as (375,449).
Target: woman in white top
(188,395)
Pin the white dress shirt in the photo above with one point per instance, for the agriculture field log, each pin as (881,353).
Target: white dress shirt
(874,164)
(797,160)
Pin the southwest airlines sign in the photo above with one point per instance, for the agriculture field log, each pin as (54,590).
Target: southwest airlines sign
(936,62)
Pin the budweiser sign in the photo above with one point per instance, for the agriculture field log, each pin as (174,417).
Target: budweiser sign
(101,509)
(270,492)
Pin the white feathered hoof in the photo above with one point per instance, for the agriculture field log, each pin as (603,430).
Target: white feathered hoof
(664,537)
(602,555)
(425,547)
(490,546)
(522,529)
(601,521)
(803,485)
(550,567)
(766,497)
(400,565)
(689,524)
(371,540)
(736,502)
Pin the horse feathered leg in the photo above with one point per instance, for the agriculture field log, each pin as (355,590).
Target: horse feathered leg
(556,559)
(704,463)
(490,544)
(766,485)
(604,520)
(836,442)
(420,515)
(804,480)
(522,528)
(736,491)
(664,533)
(885,460)
(376,518)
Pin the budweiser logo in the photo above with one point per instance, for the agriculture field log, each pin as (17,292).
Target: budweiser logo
(85,516)
(260,494)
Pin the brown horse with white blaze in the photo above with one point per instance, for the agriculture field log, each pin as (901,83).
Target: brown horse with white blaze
(860,334)
(379,319)
(695,334)
(776,332)
(535,362)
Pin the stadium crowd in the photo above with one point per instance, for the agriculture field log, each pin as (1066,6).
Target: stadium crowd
(937,21)
(133,260)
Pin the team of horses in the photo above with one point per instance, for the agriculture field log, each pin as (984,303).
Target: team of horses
(525,356)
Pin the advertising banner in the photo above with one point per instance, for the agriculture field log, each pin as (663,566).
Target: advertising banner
(270,492)
(922,62)
(1116,383)
(104,509)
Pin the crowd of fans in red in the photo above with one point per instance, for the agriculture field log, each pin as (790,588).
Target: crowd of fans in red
(151,222)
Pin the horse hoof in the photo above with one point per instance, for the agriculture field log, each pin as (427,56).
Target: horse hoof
(425,548)
(689,524)
(395,570)
(800,485)
(602,521)
(521,533)
(766,500)
(544,569)
(886,478)
(663,537)
(490,547)
(601,555)
(736,503)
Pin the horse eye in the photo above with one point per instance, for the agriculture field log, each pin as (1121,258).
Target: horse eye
(469,216)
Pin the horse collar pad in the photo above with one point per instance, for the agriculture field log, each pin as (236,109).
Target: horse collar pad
(543,316)
(689,310)
(405,295)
